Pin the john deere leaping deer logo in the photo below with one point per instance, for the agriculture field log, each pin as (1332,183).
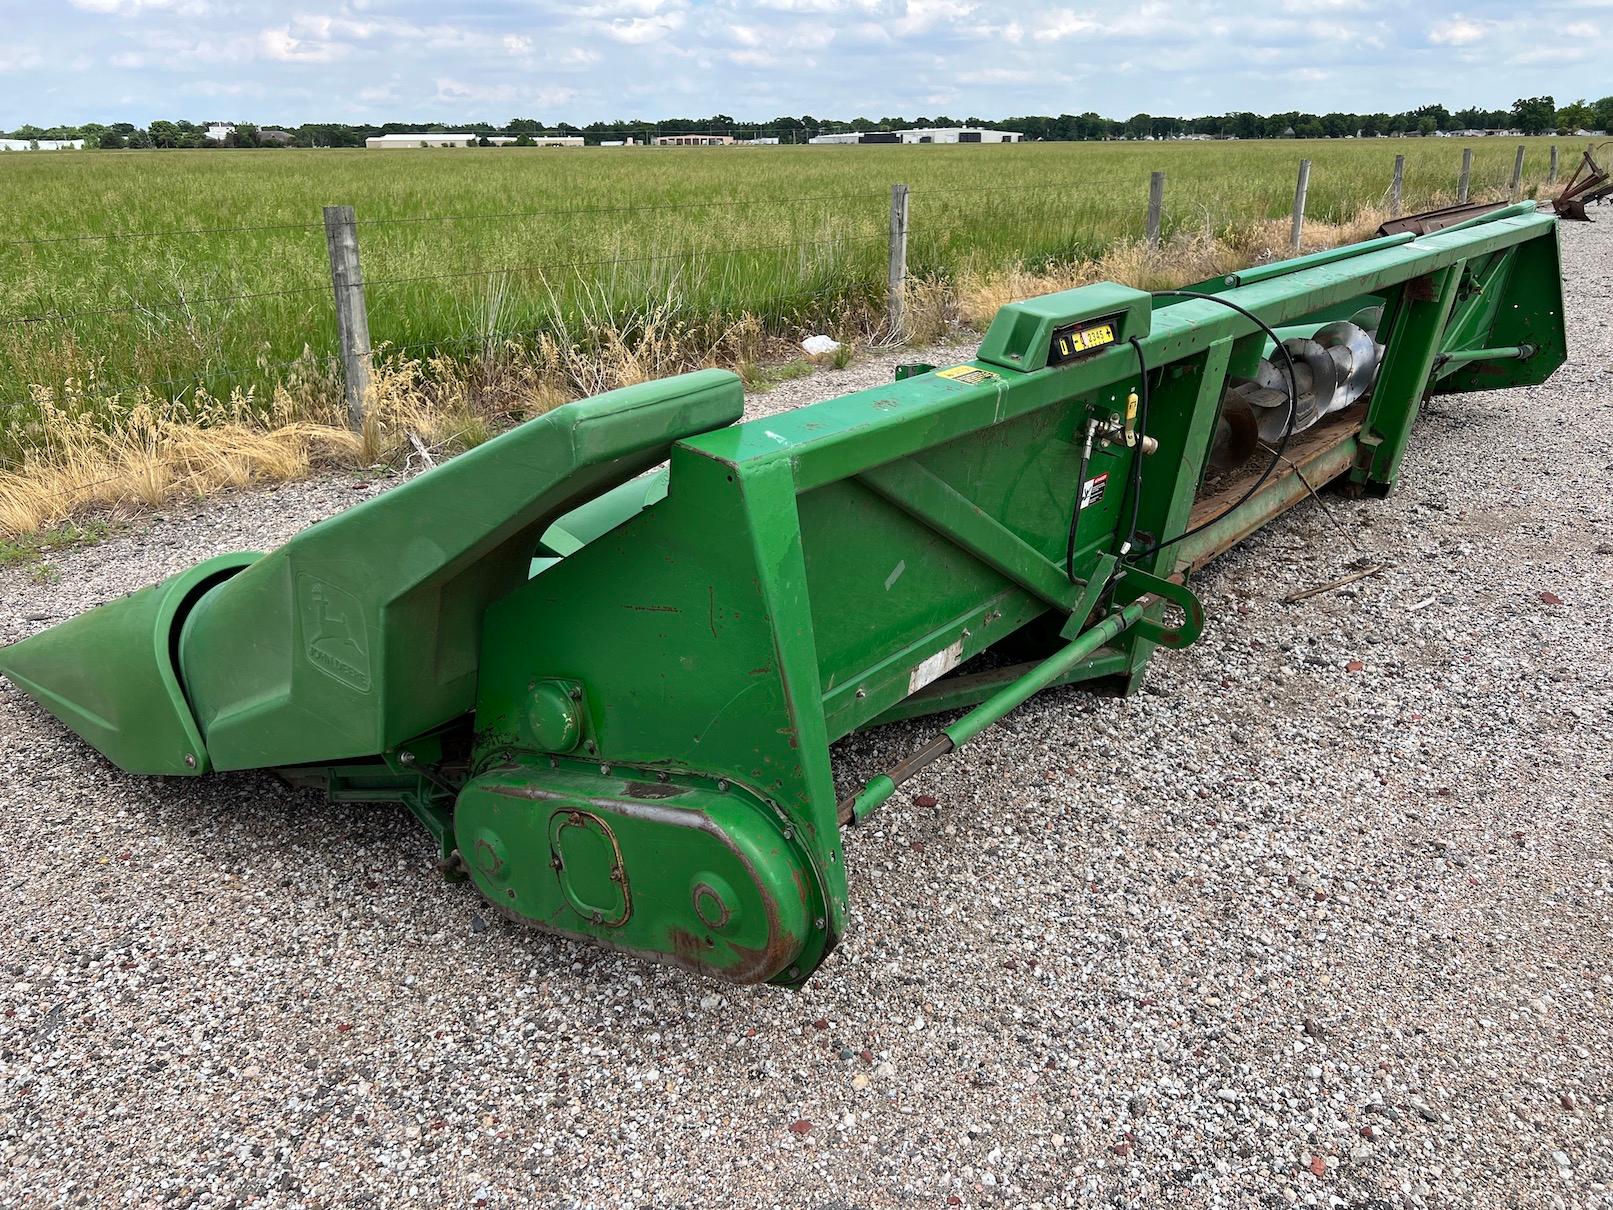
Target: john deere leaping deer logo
(333,632)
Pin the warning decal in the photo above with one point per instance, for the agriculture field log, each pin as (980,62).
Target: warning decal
(966,374)
(1092,490)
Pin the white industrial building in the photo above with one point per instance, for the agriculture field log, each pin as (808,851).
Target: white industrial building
(41,144)
(949,134)
(441,139)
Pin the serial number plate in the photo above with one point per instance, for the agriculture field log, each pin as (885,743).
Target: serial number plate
(1078,340)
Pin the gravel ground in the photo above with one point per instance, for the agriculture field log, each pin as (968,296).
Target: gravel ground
(1274,931)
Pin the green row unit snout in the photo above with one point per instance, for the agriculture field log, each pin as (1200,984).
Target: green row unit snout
(363,631)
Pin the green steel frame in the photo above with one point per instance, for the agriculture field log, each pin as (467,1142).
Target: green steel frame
(612,700)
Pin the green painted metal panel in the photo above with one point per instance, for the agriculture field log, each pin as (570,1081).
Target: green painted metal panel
(365,629)
(109,674)
(694,877)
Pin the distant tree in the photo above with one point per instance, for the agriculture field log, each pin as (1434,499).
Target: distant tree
(1602,112)
(1575,115)
(1534,115)
(1139,126)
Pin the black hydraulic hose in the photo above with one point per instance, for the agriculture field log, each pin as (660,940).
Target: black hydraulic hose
(1140,431)
(1288,426)
(1075,511)
(1134,479)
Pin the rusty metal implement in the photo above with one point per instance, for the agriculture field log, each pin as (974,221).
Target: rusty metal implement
(609,691)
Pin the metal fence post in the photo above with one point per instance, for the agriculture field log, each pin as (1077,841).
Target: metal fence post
(1516,190)
(897,282)
(352,318)
(1467,175)
(1395,186)
(1551,176)
(1156,207)
(1300,188)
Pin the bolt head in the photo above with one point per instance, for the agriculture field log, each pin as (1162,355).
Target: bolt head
(190,760)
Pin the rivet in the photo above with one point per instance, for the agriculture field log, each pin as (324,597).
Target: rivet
(190,760)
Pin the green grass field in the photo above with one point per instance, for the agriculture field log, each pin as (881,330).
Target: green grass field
(590,238)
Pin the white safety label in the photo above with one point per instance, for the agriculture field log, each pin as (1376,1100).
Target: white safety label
(938,665)
(1092,490)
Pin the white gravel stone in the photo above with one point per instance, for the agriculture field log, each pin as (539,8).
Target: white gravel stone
(225,992)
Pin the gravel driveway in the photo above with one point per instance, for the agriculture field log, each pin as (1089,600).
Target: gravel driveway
(1274,931)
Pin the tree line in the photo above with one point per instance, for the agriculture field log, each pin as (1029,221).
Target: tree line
(1529,115)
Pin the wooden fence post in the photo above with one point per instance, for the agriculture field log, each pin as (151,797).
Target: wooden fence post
(1551,176)
(897,281)
(1467,175)
(1156,207)
(1396,185)
(352,318)
(1516,190)
(1300,188)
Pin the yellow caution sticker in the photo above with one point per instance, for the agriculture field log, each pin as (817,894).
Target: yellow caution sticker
(971,375)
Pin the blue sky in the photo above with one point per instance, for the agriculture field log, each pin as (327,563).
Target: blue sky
(379,60)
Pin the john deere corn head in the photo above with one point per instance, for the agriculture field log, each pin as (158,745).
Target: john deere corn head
(609,691)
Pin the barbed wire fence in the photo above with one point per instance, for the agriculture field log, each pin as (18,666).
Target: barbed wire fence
(349,291)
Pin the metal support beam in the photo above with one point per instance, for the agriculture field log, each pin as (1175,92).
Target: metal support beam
(1413,343)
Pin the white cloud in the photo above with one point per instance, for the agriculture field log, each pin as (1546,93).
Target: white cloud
(19,58)
(1459,32)
(463,95)
(636,31)
(132,8)
(281,46)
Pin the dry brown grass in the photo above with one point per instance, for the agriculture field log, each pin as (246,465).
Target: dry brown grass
(1189,257)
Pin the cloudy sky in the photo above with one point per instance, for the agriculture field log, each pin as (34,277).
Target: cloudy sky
(379,60)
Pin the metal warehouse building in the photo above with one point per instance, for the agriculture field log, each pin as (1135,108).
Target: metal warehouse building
(950,134)
(439,139)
